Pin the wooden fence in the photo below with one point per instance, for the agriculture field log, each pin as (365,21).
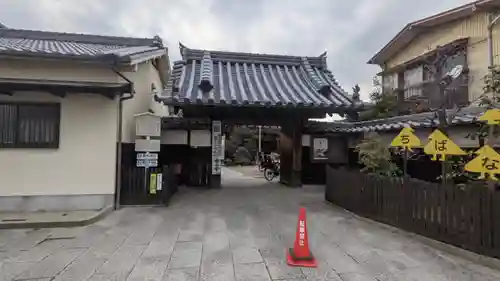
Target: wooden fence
(467,217)
(137,189)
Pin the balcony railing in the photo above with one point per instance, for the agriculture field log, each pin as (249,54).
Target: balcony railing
(425,95)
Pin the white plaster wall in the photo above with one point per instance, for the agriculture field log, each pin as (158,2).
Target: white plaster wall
(201,138)
(84,163)
(145,75)
(56,70)
(306,140)
(174,137)
(142,76)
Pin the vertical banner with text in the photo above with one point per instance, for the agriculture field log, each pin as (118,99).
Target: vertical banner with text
(217,151)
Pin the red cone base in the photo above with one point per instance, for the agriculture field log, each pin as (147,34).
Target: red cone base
(300,262)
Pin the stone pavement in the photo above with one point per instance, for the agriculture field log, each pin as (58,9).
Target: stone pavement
(237,233)
(250,171)
(9,220)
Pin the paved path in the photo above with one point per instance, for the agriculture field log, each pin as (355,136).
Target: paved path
(236,233)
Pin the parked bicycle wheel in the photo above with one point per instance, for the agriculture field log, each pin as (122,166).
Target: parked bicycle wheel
(261,167)
(269,174)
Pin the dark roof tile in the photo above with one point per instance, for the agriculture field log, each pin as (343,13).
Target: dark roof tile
(421,120)
(32,42)
(216,77)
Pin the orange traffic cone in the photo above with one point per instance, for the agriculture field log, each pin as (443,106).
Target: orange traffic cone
(300,255)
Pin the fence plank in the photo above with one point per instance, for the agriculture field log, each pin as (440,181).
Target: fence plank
(475,237)
(496,224)
(485,220)
(468,217)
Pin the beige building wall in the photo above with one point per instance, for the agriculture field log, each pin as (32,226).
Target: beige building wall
(83,164)
(83,168)
(56,70)
(475,28)
(143,78)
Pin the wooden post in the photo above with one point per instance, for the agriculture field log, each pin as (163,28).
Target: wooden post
(491,142)
(405,162)
(291,152)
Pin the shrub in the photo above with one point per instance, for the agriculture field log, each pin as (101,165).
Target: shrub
(242,156)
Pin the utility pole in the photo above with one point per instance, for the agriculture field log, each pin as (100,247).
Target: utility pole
(260,144)
(491,128)
(491,23)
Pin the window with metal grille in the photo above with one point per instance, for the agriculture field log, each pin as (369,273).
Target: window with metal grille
(29,125)
(413,79)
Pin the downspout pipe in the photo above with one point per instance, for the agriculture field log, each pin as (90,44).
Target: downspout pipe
(491,23)
(118,156)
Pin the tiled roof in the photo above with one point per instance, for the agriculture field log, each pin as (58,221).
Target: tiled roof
(16,42)
(215,77)
(421,120)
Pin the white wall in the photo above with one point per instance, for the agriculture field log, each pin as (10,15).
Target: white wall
(84,163)
(85,160)
(56,70)
(174,137)
(145,75)
(142,76)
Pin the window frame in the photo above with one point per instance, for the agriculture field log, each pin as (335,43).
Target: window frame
(413,79)
(55,117)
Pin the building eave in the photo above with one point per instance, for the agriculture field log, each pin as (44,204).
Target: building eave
(146,56)
(11,86)
(413,29)
(107,59)
(467,116)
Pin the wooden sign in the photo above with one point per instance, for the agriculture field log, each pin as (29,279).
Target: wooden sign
(492,117)
(406,139)
(487,163)
(440,145)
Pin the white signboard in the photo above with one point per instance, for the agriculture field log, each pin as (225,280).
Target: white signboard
(320,148)
(147,160)
(200,138)
(146,163)
(217,151)
(159,181)
(147,156)
(150,145)
(147,124)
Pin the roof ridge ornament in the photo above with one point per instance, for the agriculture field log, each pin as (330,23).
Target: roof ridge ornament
(205,84)
(324,88)
(323,59)
(157,41)
(183,49)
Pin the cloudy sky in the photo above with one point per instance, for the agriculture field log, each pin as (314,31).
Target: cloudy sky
(351,31)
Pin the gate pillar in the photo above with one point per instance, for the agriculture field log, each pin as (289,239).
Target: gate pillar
(291,152)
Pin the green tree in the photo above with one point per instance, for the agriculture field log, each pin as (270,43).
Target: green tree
(384,103)
(375,156)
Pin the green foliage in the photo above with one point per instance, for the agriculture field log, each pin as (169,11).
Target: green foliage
(376,157)
(455,171)
(384,103)
(242,156)
(489,99)
(491,89)
(242,137)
